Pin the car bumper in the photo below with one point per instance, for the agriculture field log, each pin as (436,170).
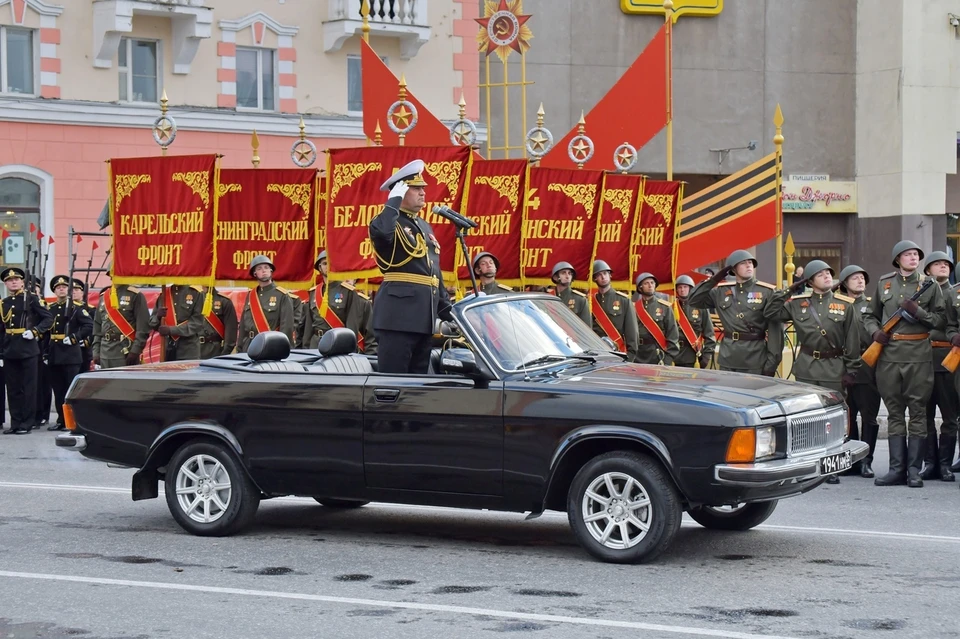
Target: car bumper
(785,471)
(71,441)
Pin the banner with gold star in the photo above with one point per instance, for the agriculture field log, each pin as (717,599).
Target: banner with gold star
(653,246)
(619,206)
(504,29)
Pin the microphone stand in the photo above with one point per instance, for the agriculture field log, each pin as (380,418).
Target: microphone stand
(461,235)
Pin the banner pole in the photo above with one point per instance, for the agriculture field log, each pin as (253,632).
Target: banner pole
(778,144)
(668,16)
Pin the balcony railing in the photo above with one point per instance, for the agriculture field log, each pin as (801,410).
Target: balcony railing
(405,20)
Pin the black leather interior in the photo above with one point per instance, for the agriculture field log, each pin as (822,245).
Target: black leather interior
(353,364)
(270,346)
(434,368)
(338,341)
(278,366)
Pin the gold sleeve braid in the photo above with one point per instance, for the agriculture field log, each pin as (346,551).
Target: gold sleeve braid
(414,251)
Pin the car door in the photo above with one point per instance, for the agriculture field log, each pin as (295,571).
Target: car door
(438,433)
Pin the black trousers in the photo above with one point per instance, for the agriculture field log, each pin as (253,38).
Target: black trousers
(44,392)
(403,352)
(865,400)
(21,379)
(944,396)
(60,378)
(3,396)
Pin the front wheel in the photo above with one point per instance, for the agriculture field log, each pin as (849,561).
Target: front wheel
(739,517)
(623,508)
(208,493)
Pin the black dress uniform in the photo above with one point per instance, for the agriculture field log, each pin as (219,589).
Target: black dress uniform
(412,296)
(22,313)
(44,390)
(183,342)
(352,308)
(86,346)
(72,324)
(222,313)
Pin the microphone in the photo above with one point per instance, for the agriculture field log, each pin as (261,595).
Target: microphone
(455,218)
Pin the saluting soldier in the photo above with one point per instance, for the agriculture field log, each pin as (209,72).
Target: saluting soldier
(563,275)
(752,343)
(178,317)
(218,333)
(72,325)
(905,370)
(485,267)
(695,336)
(24,320)
(863,398)
(267,308)
(121,327)
(86,345)
(344,306)
(412,297)
(613,314)
(657,337)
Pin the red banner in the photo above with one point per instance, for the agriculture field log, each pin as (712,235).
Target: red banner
(354,198)
(560,222)
(652,248)
(163,215)
(617,218)
(494,200)
(267,212)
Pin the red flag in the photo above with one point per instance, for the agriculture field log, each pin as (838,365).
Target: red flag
(95,245)
(40,235)
(50,240)
(643,89)
(33,227)
(79,238)
(6,233)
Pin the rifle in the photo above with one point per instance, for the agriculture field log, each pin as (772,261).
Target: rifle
(872,354)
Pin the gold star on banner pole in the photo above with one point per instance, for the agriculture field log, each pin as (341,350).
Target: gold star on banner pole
(401,117)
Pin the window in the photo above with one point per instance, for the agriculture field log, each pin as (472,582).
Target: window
(19,208)
(355,83)
(139,65)
(17,61)
(256,79)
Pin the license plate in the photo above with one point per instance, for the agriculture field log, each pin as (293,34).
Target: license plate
(833,464)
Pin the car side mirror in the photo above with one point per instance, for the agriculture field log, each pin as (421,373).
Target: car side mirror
(458,361)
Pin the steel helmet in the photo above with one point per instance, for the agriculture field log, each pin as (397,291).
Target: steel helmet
(740,255)
(599,266)
(937,256)
(321,256)
(258,260)
(900,247)
(483,254)
(815,266)
(559,266)
(684,279)
(646,276)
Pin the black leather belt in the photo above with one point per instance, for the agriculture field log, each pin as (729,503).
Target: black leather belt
(830,354)
(737,336)
(204,340)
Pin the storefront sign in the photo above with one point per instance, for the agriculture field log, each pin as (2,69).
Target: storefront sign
(819,197)
(704,8)
(810,177)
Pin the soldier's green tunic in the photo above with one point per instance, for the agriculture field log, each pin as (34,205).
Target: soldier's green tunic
(828,331)
(648,349)
(939,334)
(494,288)
(110,345)
(619,309)
(576,302)
(299,316)
(352,307)
(188,312)
(277,309)
(211,344)
(905,370)
(702,326)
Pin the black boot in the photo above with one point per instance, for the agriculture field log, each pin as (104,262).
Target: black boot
(915,451)
(866,470)
(897,476)
(947,444)
(931,460)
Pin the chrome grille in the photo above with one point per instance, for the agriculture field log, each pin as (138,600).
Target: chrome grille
(816,430)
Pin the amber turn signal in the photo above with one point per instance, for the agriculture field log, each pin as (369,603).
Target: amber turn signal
(742,447)
(69,421)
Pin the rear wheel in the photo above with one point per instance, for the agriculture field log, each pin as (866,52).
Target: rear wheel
(739,517)
(330,502)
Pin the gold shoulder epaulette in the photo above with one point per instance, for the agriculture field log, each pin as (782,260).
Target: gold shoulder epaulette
(844,298)
(801,296)
(665,302)
(363,295)
(576,292)
(282,290)
(887,276)
(77,303)
(622,294)
(766,285)
(133,289)
(314,288)
(197,288)
(348,286)
(504,287)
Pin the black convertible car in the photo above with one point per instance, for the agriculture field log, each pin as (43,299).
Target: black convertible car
(525,409)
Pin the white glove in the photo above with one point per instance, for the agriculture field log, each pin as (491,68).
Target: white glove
(399,189)
(28,335)
(67,341)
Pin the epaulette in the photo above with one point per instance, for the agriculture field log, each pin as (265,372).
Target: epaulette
(314,288)
(504,287)
(766,285)
(283,290)
(78,303)
(576,292)
(621,294)
(802,296)
(197,288)
(363,295)
(665,302)
(348,286)
(888,275)
(844,298)
(133,289)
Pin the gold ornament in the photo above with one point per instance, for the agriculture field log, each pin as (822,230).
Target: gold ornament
(346,174)
(125,184)
(507,186)
(620,200)
(223,189)
(583,194)
(662,204)
(298,194)
(198,181)
(447,174)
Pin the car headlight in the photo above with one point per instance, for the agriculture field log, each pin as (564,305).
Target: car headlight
(766,442)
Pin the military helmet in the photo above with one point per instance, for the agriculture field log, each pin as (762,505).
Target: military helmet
(645,276)
(815,266)
(258,260)
(740,255)
(937,256)
(321,256)
(559,266)
(482,254)
(852,269)
(900,247)
(599,266)
(684,279)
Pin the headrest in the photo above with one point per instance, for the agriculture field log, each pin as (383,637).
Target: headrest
(338,341)
(269,346)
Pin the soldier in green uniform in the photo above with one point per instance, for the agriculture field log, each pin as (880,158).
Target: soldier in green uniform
(752,343)
(352,308)
(183,337)
(563,275)
(218,333)
(863,398)
(86,345)
(659,314)
(613,315)
(953,332)
(904,370)
(697,341)
(299,315)
(72,325)
(485,267)
(267,308)
(115,346)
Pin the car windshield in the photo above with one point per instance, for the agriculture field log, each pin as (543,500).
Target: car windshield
(521,331)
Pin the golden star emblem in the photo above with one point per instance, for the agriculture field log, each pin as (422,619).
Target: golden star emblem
(164,130)
(624,157)
(401,117)
(462,133)
(539,141)
(303,152)
(580,149)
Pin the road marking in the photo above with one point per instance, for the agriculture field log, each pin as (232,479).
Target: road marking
(847,532)
(463,610)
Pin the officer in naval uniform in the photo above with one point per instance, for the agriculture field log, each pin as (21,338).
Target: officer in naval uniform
(696,337)
(218,333)
(613,314)
(267,307)
(113,345)
(563,275)
(485,267)
(86,346)
(72,325)
(352,308)
(182,331)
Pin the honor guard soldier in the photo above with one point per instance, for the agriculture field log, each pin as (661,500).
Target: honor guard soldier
(218,333)
(751,342)
(697,341)
(939,450)
(178,317)
(902,325)
(657,337)
(613,315)
(344,306)
(44,390)
(563,275)
(72,325)
(863,398)
(267,308)
(79,293)
(412,297)
(485,267)
(121,327)
(24,321)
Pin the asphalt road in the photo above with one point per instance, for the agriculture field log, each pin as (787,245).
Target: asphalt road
(78,558)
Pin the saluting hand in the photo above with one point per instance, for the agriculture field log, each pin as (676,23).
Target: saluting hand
(798,287)
(399,190)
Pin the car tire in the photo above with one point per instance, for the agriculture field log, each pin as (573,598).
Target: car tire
(742,517)
(208,493)
(603,511)
(343,504)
